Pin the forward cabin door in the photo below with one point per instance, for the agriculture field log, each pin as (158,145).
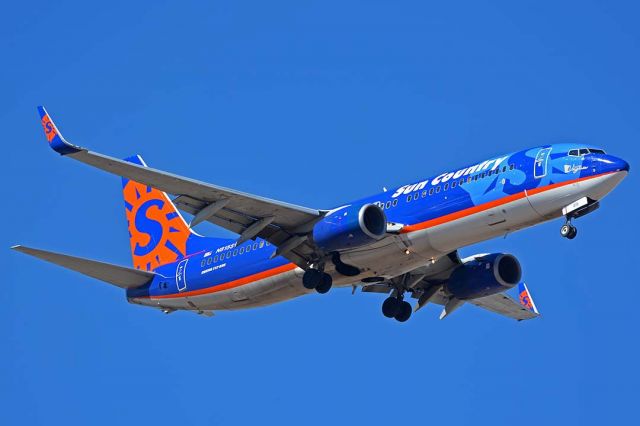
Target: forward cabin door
(543,202)
(540,164)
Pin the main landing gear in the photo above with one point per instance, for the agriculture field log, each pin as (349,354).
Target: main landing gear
(396,307)
(318,280)
(568,230)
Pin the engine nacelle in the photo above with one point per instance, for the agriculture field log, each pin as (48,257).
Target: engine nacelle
(484,275)
(350,227)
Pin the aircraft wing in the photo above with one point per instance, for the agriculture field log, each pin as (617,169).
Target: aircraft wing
(119,276)
(506,306)
(427,282)
(284,225)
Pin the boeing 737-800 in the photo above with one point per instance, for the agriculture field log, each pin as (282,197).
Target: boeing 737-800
(403,242)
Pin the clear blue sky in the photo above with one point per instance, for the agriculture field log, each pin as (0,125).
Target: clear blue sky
(313,103)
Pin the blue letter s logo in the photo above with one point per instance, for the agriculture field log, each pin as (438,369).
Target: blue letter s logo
(151,227)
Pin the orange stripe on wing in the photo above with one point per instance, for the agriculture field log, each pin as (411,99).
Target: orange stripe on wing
(232,284)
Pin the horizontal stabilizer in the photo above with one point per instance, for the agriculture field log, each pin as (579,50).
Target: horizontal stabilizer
(113,274)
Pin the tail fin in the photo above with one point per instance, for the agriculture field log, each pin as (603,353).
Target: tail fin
(157,232)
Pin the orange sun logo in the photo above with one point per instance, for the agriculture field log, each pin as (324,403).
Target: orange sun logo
(49,130)
(157,233)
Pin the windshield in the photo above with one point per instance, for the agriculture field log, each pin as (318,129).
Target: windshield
(584,151)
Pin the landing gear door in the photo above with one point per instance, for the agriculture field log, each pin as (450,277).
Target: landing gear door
(540,165)
(181,275)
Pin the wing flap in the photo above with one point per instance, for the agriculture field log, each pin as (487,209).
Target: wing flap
(119,276)
(504,305)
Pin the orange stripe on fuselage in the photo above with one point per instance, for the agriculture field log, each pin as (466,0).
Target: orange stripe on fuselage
(486,206)
(231,284)
(410,228)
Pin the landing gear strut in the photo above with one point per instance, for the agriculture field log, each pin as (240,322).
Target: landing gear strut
(568,230)
(317,279)
(396,307)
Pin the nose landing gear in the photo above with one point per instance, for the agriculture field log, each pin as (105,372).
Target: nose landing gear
(577,209)
(568,230)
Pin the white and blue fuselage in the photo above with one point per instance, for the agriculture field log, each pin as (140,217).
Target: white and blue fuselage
(426,220)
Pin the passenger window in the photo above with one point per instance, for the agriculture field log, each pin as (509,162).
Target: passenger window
(512,166)
(248,248)
(235,252)
(228,255)
(209,260)
(395,202)
(431,191)
(453,184)
(424,194)
(268,243)
(202,263)
(215,259)
(504,169)
(388,205)
(416,196)
(461,181)
(255,246)
(437,189)
(469,179)
(476,177)
(408,198)
(446,186)
(261,244)
(241,250)
(482,175)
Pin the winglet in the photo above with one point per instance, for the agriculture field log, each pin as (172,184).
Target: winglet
(56,141)
(526,301)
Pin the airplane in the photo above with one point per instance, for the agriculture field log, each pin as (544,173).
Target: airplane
(402,243)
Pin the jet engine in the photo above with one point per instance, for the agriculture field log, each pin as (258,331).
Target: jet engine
(349,227)
(484,275)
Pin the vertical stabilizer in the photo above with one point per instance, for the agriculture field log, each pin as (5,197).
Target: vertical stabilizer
(157,232)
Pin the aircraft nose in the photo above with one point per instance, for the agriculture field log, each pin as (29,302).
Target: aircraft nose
(610,163)
(621,165)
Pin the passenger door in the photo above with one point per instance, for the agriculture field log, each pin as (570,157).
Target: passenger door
(181,275)
(540,164)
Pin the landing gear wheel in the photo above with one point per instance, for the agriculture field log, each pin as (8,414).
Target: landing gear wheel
(311,278)
(568,231)
(325,283)
(404,313)
(391,307)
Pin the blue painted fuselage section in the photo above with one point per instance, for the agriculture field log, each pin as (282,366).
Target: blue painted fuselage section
(212,262)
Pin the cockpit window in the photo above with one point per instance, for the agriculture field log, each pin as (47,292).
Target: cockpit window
(585,151)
